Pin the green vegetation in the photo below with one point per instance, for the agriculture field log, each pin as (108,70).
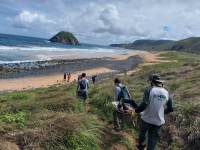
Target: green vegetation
(17,119)
(187,45)
(53,118)
(65,37)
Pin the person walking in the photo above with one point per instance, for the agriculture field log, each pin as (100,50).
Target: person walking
(152,111)
(82,87)
(64,76)
(68,77)
(94,79)
(122,97)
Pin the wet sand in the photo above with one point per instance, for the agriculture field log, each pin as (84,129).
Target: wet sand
(104,66)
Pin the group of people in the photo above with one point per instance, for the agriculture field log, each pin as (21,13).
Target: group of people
(67,76)
(155,104)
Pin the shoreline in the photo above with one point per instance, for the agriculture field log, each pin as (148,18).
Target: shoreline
(106,67)
(64,59)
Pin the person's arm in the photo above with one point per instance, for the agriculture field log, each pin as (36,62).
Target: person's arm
(145,101)
(134,104)
(88,84)
(77,86)
(169,107)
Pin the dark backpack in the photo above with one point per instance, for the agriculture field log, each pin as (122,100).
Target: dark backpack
(124,94)
(82,84)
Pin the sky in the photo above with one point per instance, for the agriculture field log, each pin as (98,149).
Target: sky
(102,21)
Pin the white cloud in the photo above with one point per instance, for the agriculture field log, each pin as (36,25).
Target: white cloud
(27,19)
(105,22)
(109,15)
(110,19)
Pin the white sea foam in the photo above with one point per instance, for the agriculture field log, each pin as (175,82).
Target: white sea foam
(16,62)
(37,58)
(37,53)
(43,57)
(56,49)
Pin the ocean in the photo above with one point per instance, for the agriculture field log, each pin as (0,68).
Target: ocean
(17,49)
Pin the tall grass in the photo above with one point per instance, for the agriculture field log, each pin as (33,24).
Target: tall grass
(54,118)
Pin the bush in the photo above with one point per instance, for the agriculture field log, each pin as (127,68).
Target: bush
(19,118)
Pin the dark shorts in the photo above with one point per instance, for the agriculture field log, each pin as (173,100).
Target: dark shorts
(82,94)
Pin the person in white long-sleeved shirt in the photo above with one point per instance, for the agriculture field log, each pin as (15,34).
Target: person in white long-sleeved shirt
(152,110)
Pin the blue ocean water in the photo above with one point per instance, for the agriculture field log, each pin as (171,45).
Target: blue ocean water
(14,49)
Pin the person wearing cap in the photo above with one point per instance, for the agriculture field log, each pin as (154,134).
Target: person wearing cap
(156,103)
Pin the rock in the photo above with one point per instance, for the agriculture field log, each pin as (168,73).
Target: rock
(65,37)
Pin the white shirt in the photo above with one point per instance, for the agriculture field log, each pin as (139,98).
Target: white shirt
(154,113)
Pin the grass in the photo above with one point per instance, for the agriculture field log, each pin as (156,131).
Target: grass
(53,118)
(52,115)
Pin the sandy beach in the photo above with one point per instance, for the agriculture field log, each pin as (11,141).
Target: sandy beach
(116,64)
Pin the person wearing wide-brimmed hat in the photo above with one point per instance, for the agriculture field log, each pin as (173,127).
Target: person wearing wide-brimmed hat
(152,111)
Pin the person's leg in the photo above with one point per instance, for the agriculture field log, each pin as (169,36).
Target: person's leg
(121,119)
(142,134)
(116,120)
(153,137)
(84,95)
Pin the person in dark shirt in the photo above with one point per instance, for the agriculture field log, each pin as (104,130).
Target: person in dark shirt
(152,110)
(64,77)
(94,79)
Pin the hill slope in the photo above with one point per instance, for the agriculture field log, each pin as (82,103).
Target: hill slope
(187,45)
(190,45)
(53,118)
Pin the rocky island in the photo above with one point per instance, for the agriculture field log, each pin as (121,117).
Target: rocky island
(65,38)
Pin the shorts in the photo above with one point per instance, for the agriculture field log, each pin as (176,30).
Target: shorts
(82,94)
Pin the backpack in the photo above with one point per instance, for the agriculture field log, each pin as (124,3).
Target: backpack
(124,94)
(82,84)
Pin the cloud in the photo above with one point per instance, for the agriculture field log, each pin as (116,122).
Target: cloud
(103,21)
(27,19)
(109,15)
(110,19)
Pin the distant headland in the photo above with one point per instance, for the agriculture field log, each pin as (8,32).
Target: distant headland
(65,38)
(191,44)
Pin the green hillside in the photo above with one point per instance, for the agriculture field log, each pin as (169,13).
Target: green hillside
(53,118)
(191,45)
(187,45)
